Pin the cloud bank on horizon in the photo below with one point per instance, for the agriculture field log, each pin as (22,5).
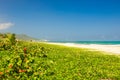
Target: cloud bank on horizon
(7,25)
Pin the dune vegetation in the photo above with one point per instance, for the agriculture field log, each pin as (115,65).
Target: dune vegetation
(40,61)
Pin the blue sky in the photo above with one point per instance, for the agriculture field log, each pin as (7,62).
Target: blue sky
(62,19)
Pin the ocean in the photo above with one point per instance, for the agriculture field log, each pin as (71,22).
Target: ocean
(90,42)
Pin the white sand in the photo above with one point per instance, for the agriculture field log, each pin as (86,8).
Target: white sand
(111,49)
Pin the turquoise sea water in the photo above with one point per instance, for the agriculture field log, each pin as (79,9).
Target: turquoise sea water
(91,42)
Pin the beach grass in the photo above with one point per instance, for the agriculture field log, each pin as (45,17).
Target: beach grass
(34,61)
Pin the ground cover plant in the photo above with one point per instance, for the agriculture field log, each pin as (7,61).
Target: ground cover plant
(41,61)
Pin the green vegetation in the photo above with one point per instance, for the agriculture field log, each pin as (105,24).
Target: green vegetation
(41,61)
(12,39)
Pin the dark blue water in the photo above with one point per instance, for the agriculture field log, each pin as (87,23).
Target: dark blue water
(91,42)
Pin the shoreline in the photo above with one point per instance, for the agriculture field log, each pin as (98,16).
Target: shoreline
(112,49)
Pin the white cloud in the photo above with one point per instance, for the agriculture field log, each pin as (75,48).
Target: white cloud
(5,25)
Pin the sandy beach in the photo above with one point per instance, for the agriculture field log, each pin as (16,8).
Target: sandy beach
(110,49)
